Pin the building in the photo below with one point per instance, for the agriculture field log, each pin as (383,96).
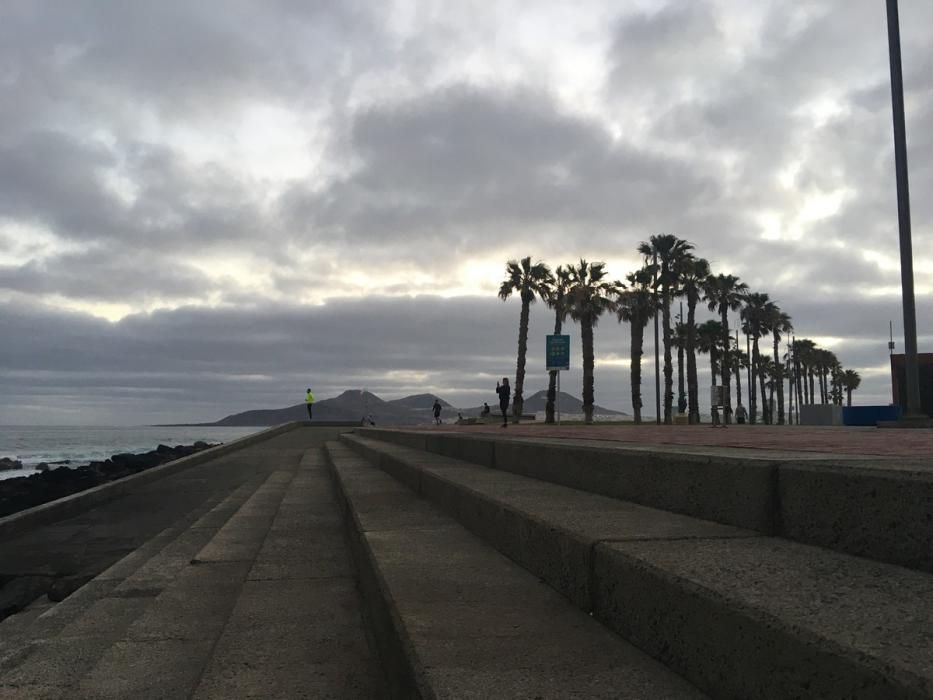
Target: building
(898,381)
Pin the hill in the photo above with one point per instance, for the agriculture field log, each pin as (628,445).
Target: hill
(538,402)
(353,404)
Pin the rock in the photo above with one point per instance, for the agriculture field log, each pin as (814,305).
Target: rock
(165,449)
(201,445)
(42,467)
(10,464)
(20,592)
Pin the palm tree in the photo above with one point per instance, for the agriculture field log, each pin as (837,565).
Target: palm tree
(694,273)
(529,281)
(850,382)
(589,296)
(556,300)
(669,251)
(779,322)
(636,307)
(754,315)
(725,293)
(803,354)
(709,341)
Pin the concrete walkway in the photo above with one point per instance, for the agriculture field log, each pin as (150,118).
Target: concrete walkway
(253,598)
(834,441)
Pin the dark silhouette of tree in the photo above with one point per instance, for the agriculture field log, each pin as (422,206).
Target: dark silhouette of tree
(669,252)
(590,296)
(636,307)
(529,281)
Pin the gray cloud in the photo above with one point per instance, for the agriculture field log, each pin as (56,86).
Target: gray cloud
(421,162)
(200,364)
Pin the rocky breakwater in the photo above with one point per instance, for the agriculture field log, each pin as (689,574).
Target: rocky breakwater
(7,464)
(51,483)
(17,590)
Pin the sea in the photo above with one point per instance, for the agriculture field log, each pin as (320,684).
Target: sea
(32,445)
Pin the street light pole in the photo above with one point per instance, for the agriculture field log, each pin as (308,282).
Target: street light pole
(657,356)
(903,215)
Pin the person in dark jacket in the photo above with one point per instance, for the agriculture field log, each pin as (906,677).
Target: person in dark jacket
(505,393)
(437,412)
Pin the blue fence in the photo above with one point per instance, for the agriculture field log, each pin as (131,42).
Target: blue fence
(869,415)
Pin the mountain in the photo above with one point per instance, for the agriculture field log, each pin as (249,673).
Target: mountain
(353,405)
(419,401)
(568,404)
(537,402)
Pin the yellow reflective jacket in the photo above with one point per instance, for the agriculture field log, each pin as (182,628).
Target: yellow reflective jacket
(309,398)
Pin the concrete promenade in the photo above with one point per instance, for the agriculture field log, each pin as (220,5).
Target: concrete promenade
(837,440)
(230,579)
(480,562)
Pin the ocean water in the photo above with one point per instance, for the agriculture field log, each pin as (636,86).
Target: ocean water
(33,444)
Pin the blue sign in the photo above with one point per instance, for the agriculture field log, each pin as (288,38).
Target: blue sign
(558,352)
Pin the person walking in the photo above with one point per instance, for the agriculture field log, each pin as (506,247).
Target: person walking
(309,402)
(740,414)
(505,393)
(437,412)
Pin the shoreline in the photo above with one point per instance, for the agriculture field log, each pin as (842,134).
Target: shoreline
(20,490)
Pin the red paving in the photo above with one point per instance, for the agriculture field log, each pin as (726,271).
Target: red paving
(914,443)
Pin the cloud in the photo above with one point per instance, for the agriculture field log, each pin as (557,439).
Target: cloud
(195,364)
(325,188)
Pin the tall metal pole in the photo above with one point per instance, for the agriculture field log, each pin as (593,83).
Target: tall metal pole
(657,356)
(903,214)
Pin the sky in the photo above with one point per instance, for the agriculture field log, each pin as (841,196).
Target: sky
(209,207)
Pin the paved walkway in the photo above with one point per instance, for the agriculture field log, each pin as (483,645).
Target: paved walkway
(836,441)
(255,598)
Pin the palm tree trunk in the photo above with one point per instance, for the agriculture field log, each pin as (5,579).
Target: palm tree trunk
(779,380)
(668,364)
(753,389)
(765,413)
(552,379)
(586,334)
(738,382)
(810,378)
(638,337)
(681,390)
(517,400)
(693,390)
(726,373)
(549,412)
(848,396)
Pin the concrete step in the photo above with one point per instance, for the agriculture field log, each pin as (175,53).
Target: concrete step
(97,639)
(739,614)
(296,630)
(44,620)
(871,507)
(454,619)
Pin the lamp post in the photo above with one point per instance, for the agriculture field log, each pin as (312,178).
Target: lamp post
(903,216)
(657,356)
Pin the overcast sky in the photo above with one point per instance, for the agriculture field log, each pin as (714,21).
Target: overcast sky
(206,207)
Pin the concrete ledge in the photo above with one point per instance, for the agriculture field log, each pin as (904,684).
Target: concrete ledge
(547,528)
(734,491)
(741,616)
(854,506)
(872,513)
(454,619)
(768,618)
(77,502)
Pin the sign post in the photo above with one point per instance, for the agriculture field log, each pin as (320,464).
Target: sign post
(557,356)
